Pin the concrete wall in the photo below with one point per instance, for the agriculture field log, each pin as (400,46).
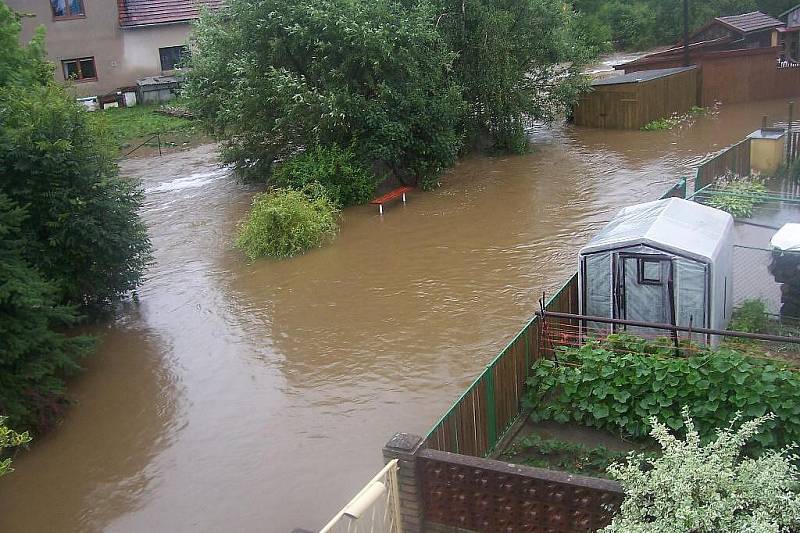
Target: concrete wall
(140,47)
(121,55)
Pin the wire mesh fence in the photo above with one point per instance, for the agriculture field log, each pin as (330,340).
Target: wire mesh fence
(375,509)
(562,332)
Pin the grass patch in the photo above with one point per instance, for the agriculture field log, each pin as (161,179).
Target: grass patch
(127,125)
(554,454)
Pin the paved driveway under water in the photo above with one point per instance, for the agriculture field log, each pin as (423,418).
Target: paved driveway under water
(255,397)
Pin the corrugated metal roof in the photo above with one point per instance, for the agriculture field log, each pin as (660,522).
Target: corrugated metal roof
(750,22)
(147,12)
(639,77)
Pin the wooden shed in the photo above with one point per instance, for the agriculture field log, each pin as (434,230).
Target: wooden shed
(633,100)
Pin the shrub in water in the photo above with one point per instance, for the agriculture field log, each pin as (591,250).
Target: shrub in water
(692,488)
(346,182)
(287,222)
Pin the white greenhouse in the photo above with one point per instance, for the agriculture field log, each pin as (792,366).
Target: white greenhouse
(665,262)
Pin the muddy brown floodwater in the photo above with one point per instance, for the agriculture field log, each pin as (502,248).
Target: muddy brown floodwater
(256,397)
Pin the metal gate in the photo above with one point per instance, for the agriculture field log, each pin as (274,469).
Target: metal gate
(375,509)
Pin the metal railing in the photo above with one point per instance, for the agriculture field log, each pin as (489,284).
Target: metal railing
(376,507)
(156,136)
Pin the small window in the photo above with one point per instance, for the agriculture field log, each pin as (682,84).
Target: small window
(172,56)
(81,69)
(67,8)
(649,272)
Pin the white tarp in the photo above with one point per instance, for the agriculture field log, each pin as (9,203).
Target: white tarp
(673,225)
(687,250)
(787,238)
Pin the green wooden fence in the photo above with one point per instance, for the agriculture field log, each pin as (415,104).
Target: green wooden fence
(490,406)
(479,419)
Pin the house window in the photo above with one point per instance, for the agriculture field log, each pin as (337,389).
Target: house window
(172,56)
(81,69)
(67,8)
(649,272)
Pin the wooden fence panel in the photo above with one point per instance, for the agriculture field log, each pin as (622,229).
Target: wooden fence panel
(735,160)
(480,418)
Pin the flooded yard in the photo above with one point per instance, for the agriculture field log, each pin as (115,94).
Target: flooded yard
(256,396)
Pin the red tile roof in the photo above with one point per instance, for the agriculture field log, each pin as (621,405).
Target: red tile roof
(750,22)
(147,12)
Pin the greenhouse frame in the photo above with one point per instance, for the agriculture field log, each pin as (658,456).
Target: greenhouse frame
(663,262)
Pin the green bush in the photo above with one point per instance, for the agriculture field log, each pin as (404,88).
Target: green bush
(287,222)
(34,354)
(694,488)
(619,386)
(738,196)
(750,317)
(346,182)
(83,226)
(273,77)
(9,439)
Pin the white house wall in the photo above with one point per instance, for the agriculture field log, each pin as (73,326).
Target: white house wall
(140,47)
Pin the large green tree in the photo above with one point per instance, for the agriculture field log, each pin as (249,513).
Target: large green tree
(272,78)
(639,24)
(518,61)
(71,241)
(34,354)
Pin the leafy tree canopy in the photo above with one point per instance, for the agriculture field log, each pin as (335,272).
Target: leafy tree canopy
(638,24)
(272,78)
(517,60)
(71,240)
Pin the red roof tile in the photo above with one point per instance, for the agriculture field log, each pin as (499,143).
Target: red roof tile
(146,12)
(750,22)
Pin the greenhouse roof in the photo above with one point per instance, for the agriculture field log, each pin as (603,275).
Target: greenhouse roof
(673,225)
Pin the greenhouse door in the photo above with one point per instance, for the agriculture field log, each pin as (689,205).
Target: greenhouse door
(644,290)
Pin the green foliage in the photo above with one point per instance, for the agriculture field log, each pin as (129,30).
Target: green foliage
(750,317)
(9,439)
(738,195)
(346,182)
(640,24)
(83,227)
(34,355)
(696,488)
(287,222)
(70,236)
(21,66)
(533,450)
(618,385)
(518,61)
(675,120)
(126,124)
(272,78)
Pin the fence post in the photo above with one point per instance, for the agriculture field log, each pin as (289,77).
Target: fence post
(491,411)
(789,132)
(404,448)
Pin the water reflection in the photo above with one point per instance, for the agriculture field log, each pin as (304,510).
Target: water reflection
(99,462)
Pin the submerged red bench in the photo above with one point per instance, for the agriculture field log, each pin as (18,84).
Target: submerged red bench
(399,192)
